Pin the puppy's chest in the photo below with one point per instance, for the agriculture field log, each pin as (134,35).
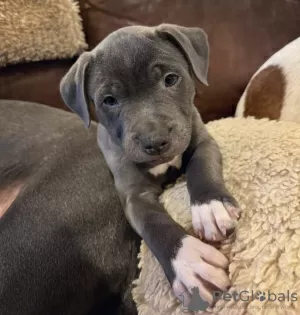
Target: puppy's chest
(167,173)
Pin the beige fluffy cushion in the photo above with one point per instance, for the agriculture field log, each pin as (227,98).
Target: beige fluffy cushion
(32,30)
(262,170)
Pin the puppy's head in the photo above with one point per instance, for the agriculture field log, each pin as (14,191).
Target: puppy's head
(140,80)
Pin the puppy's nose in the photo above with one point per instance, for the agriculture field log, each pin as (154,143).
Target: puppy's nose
(153,138)
(156,147)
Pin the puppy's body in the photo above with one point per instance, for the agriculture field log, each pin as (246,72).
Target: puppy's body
(140,80)
(274,90)
(65,245)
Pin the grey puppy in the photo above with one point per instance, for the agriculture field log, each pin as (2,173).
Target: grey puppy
(140,81)
(65,245)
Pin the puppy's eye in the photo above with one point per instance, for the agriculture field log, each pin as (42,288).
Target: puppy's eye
(110,101)
(171,79)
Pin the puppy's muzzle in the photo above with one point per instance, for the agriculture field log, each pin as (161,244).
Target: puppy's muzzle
(154,143)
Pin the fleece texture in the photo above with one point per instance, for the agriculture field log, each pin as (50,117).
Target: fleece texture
(32,30)
(262,170)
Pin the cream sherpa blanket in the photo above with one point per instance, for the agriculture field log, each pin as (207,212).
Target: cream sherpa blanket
(262,170)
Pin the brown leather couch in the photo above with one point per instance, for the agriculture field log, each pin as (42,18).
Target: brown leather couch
(242,35)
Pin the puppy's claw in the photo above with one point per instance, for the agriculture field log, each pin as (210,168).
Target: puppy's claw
(214,237)
(223,231)
(233,211)
(201,234)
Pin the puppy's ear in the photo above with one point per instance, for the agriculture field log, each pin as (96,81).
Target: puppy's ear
(73,88)
(193,43)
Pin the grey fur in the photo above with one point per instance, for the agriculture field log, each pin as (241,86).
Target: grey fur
(65,245)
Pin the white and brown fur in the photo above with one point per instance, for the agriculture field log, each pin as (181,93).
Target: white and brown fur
(274,90)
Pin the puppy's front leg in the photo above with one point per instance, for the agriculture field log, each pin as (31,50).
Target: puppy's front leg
(214,209)
(187,262)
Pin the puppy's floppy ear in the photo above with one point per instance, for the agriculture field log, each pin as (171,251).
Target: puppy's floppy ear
(73,88)
(193,43)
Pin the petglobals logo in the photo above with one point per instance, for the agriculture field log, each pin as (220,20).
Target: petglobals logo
(247,296)
(197,303)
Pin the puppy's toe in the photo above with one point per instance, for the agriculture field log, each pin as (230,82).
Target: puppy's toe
(197,224)
(223,219)
(205,223)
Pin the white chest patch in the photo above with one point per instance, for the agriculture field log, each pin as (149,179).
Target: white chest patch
(162,168)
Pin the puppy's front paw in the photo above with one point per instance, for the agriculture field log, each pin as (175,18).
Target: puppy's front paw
(215,219)
(201,266)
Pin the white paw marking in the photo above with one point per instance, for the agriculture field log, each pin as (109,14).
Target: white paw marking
(197,265)
(212,220)
(162,168)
